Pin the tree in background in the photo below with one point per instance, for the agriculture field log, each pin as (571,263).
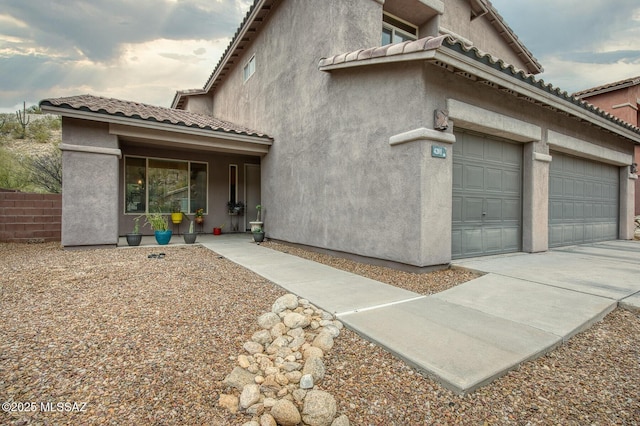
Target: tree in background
(46,171)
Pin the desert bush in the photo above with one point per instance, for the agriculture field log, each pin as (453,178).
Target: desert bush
(13,174)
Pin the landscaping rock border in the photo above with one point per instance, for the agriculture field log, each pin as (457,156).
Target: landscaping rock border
(277,378)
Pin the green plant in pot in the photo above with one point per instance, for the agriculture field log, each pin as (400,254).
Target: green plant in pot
(190,237)
(135,237)
(160,226)
(258,234)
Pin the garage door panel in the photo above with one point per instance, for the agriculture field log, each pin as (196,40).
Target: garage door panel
(492,240)
(457,176)
(510,238)
(472,242)
(512,154)
(567,210)
(489,221)
(555,186)
(494,179)
(472,209)
(511,182)
(511,210)
(456,209)
(587,192)
(473,177)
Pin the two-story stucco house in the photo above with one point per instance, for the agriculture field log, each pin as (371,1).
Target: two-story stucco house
(409,131)
(622,99)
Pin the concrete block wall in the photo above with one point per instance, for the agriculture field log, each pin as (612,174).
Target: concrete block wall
(26,217)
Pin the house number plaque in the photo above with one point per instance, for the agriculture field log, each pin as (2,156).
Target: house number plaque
(438,151)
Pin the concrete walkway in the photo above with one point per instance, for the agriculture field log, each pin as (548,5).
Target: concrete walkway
(464,337)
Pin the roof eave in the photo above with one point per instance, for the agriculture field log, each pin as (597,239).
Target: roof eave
(612,88)
(238,38)
(525,90)
(534,67)
(415,56)
(154,125)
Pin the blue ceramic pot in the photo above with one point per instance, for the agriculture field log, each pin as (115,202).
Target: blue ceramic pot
(163,237)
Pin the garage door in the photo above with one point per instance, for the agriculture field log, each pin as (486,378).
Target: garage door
(487,196)
(583,201)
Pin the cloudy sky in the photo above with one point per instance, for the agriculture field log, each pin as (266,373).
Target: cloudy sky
(145,50)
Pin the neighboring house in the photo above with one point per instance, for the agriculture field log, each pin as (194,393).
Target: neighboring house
(621,99)
(413,152)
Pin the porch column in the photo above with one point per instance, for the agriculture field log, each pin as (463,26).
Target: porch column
(89,185)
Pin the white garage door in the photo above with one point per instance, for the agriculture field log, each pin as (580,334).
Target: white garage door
(583,201)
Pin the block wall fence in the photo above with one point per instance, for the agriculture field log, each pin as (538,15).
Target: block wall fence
(26,217)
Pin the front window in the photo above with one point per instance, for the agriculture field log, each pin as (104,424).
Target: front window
(163,186)
(396,30)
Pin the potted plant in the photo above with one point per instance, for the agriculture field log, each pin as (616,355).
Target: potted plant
(257,224)
(134,238)
(190,237)
(218,231)
(235,208)
(258,234)
(176,214)
(160,226)
(199,216)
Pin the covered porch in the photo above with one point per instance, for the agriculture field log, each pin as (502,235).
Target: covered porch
(123,159)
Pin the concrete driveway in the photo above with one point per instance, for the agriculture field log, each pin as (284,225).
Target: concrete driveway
(609,269)
(465,337)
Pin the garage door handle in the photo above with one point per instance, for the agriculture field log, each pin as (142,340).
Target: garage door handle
(484,213)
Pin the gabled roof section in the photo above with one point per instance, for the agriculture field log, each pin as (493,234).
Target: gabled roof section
(135,111)
(469,62)
(610,87)
(533,66)
(180,97)
(244,35)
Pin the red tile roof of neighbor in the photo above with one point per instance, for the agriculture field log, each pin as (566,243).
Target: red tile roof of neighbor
(140,111)
(633,81)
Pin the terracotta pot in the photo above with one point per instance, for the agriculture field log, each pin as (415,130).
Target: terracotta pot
(199,219)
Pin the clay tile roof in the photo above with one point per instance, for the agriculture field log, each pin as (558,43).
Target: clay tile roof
(140,111)
(404,51)
(633,81)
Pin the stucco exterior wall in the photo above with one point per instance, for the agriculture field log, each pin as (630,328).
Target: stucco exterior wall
(456,18)
(621,103)
(342,173)
(89,197)
(200,104)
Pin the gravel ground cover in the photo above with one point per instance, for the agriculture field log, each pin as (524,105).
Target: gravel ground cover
(423,283)
(148,341)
